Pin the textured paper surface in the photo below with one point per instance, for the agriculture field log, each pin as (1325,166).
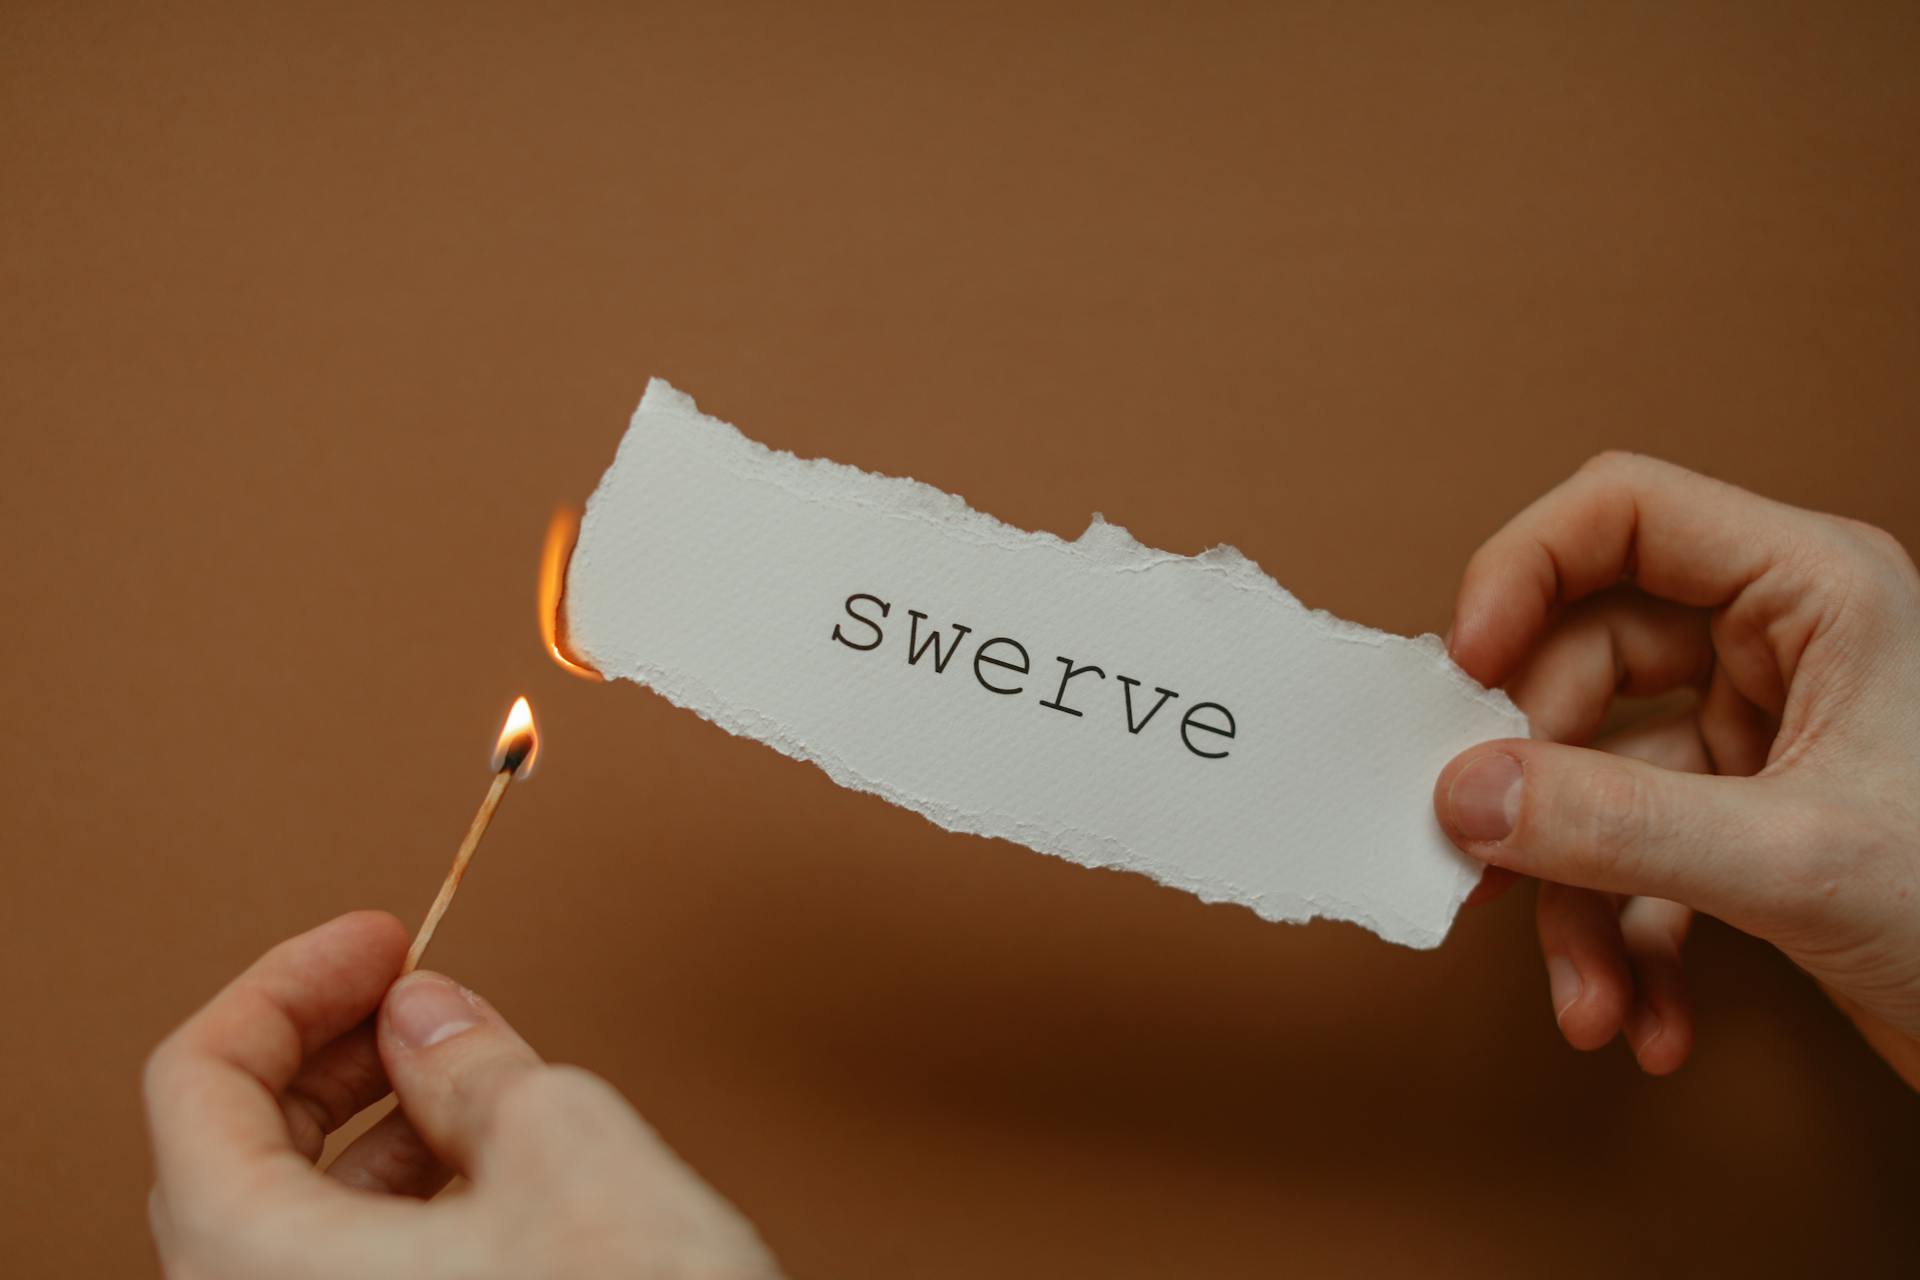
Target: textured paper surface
(747,585)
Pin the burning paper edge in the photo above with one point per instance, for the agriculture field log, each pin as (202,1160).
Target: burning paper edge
(556,557)
(1107,545)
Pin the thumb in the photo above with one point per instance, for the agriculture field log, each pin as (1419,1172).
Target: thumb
(450,1057)
(1616,824)
(480,1096)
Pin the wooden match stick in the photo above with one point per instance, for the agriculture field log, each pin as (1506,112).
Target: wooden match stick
(451,884)
(514,755)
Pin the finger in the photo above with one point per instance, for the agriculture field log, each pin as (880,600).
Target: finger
(1599,821)
(1659,1027)
(1588,978)
(1735,735)
(212,1086)
(1670,742)
(337,1083)
(1618,642)
(1659,1020)
(1680,536)
(1725,735)
(1673,742)
(393,1159)
(450,1057)
(1591,969)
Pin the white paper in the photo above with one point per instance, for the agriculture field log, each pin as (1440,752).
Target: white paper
(719,573)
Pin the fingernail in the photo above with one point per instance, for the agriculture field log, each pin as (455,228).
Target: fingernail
(1485,797)
(1563,985)
(424,1009)
(1643,1028)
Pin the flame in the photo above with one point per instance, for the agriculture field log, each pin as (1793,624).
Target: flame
(562,532)
(519,744)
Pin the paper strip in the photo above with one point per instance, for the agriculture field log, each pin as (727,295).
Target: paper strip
(1180,716)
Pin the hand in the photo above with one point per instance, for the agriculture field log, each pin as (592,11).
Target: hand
(1786,801)
(566,1180)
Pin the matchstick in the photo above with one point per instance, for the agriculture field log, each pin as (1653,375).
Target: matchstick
(451,884)
(514,755)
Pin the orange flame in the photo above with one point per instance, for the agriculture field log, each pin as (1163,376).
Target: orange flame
(562,532)
(519,744)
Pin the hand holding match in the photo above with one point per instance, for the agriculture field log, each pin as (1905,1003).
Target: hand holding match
(513,756)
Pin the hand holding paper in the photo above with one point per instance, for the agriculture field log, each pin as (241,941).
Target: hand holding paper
(1798,630)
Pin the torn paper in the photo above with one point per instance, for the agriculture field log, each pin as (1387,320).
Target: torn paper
(1180,716)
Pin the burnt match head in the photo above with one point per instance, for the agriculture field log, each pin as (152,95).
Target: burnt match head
(519,744)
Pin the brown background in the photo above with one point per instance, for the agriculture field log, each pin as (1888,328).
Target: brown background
(312,314)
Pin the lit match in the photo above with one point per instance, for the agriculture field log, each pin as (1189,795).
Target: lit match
(513,757)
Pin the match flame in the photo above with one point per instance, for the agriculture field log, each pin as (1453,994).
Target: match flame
(562,532)
(519,743)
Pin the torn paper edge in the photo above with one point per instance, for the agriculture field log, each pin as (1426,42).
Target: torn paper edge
(1103,544)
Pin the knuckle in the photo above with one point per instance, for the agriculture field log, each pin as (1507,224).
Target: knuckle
(1606,815)
(576,1082)
(1622,470)
(1866,581)
(403,1164)
(1611,462)
(154,1071)
(525,1100)
(1626,468)
(1818,849)
(1874,537)
(191,1242)
(544,1094)
(1886,554)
